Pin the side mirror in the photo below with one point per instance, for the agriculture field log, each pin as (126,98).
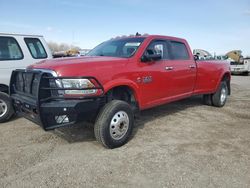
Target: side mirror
(150,57)
(196,57)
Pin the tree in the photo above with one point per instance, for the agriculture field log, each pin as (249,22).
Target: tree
(57,47)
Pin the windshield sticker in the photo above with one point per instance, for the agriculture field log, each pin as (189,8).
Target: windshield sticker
(133,44)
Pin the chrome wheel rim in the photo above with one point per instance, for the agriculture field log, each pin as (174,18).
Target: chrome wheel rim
(223,95)
(119,125)
(3,108)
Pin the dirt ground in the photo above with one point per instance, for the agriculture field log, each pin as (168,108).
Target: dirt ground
(183,144)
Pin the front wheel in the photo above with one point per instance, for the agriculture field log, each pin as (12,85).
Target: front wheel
(220,97)
(6,108)
(114,124)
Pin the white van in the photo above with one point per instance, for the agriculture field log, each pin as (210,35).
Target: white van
(17,51)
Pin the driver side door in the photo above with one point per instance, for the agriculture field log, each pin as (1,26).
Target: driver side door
(155,81)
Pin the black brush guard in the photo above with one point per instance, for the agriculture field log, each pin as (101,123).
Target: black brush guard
(35,96)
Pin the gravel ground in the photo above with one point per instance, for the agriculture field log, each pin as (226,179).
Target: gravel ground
(183,144)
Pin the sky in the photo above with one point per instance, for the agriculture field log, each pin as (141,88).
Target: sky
(214,25)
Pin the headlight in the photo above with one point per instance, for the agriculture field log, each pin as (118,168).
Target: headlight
(77,84)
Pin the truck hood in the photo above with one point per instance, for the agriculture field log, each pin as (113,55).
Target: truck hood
(80,66)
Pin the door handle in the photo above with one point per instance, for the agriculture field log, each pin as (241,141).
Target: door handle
(169,68)
(192,66)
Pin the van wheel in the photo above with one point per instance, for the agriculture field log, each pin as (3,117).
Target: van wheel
(114,124)
(6,108)
(220,97)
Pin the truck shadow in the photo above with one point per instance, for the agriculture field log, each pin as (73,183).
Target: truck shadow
(80,132)
(85,131)
(164,110)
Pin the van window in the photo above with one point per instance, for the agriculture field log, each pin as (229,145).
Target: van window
(36,48)
(179,51)
(9,49)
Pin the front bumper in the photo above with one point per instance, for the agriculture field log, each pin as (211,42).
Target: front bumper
(55,114)
(36,97)
(239,69)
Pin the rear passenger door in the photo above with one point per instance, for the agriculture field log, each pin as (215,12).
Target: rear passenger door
(182,69)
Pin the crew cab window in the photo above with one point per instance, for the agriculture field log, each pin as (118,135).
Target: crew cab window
(36,48)
(9,49)
(158,47)
(179,51)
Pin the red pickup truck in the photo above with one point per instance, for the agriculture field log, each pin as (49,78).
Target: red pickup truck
(114,81)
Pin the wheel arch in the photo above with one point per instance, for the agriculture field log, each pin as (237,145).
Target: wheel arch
(4,88)
(227,78)
(130,87)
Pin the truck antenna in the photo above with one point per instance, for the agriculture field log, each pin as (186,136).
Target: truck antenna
(137,34)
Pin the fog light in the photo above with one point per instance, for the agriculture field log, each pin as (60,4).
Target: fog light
(62,119)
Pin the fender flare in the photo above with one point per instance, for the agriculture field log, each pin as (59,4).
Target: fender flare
(123,82)
(221,78)
(4,88)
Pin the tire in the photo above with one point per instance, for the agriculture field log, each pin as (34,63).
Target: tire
(220,97)
(6,108)
(245,73)
(114,124)
(207,99)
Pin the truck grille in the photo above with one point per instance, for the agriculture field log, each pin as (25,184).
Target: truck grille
(44,86)
(235,63)
(28,82)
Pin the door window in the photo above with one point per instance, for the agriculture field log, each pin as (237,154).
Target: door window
(158,47)
(36,48)
(179,51)
(9,49)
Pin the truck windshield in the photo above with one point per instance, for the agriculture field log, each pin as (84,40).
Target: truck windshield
(117,48)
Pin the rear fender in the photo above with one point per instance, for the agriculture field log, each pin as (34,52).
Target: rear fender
(224,76)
